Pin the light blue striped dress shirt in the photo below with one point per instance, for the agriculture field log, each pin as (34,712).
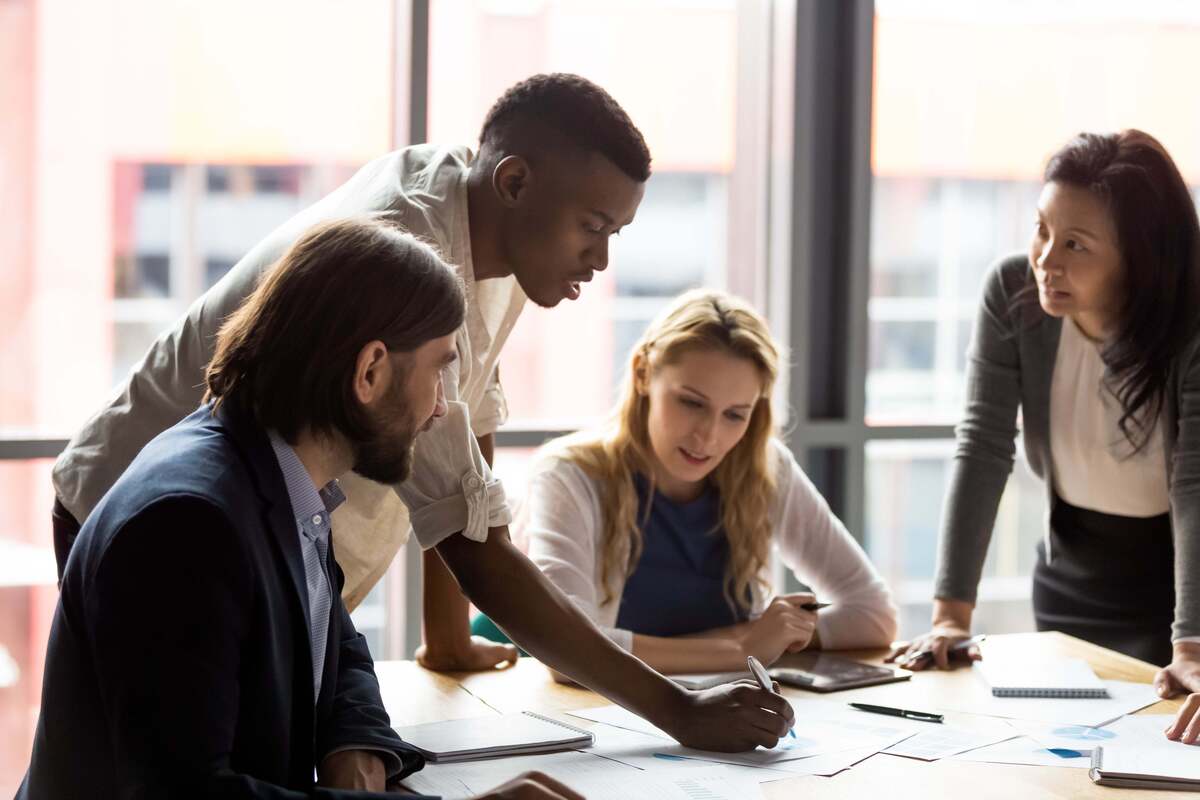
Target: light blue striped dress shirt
(312,510)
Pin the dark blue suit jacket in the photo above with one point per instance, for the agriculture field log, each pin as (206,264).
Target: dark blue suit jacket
(178,662)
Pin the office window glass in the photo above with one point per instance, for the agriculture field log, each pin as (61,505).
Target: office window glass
(673,66)
(146,146)
(962,131)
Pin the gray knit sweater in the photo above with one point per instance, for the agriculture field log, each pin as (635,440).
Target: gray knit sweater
(1010,366)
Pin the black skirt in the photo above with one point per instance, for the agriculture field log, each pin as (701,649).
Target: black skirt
(1111,582)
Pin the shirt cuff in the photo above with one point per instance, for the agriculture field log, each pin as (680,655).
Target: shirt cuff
(452,488)
(392,763)
(480,505)
(1192,639)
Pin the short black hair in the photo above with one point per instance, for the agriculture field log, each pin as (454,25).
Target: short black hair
(573,107)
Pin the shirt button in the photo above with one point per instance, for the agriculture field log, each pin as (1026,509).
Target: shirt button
(316,519)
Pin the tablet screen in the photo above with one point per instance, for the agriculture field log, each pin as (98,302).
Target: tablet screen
(823,672)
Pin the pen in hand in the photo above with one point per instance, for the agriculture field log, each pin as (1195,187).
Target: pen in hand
(764,681)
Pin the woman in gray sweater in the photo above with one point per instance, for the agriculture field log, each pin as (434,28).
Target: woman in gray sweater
(1094,337)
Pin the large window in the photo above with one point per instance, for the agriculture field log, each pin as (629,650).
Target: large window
(146,146)
(851,168)
(674,67)
(970,99)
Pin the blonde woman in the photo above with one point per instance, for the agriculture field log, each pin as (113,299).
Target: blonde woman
(661,526)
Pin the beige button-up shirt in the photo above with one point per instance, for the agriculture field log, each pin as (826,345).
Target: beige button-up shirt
(423,189)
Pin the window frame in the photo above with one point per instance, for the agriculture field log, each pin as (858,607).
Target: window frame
(813,85)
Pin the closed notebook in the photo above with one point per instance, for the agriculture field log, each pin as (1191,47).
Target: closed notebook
(1145,768)
(500,735)
(1063,677)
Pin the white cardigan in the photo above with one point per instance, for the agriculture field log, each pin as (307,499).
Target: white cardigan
(561,518)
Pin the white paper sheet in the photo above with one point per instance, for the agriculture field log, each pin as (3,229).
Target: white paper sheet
(1125,698)
(1065,737)
(1024,750)
(595,778)
(943,741)
(645,752)
(1148,729)
(823,765)
(1141,746)
(821,727)
(926,741)
(620,718)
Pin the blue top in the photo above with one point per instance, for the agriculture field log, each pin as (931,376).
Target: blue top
(678,585)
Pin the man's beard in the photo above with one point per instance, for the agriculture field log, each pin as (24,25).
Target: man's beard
(386,456)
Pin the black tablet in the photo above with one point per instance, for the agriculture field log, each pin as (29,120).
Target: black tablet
(823,672)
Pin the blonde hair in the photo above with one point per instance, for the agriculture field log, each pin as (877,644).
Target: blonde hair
(699,320)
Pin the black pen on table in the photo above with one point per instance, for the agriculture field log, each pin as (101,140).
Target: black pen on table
(920,716)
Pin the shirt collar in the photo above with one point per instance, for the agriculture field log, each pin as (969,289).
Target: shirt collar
(311,507)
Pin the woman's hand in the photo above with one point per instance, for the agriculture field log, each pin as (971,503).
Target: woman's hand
(1181,675)
(784,627)
(951,625)
(1186,727)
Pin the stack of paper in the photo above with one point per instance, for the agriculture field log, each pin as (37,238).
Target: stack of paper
(821,727)
(1124,698)
(1142,757)
(595,778)
(1024,750)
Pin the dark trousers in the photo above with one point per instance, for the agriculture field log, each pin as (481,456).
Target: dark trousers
(1111,581)
(65,530)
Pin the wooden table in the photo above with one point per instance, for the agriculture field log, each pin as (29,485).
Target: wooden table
(413,695)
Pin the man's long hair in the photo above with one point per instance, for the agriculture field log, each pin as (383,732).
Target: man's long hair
(286,358)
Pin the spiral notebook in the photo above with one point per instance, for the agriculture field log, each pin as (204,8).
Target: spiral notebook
(1146,768)
(487,737)
(1064,677)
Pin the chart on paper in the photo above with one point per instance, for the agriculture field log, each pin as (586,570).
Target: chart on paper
(944,742)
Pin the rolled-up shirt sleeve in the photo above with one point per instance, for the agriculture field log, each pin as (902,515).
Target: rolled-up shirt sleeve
(452,488)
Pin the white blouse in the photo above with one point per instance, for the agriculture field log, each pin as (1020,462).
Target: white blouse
(1094,464)
(563,522)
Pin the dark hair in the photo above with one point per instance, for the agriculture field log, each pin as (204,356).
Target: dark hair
(1159,240)
(537,109)
(287,356)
